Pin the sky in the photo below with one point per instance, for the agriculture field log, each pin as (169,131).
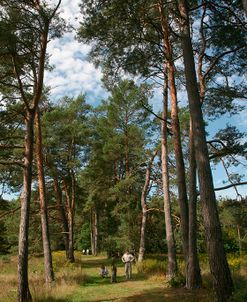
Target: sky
(74,74)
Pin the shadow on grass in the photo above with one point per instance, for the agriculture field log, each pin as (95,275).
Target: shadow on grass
(98,280)
(91,263)
(50,299)
(163,294)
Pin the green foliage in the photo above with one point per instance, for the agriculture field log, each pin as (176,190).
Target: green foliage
(177,281)
(240,293)
(151,266)
(82,239)
(233,219)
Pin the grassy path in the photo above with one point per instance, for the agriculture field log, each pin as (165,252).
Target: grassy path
(139,289)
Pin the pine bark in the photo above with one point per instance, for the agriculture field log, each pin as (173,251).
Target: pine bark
(193,276)
(62,215)
(70,202)
(223,284)
(170,241)
(49,274)
(23,293)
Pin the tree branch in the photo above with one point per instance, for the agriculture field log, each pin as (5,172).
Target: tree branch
(215,61)
(11,147)
(13,162)
(230,185)
(9,212)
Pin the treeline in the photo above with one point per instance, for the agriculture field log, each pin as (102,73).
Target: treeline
(120,175)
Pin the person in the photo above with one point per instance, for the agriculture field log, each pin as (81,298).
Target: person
(103,271)
(127,259)
(113,270)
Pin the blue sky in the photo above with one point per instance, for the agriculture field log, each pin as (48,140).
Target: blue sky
(73,74)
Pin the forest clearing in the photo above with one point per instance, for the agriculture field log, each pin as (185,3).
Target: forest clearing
(81,282)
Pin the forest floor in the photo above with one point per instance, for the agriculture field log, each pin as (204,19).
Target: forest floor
(80,282)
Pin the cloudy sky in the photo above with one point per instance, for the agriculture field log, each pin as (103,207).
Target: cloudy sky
(72,74)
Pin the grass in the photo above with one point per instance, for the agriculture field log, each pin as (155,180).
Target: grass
(80,281)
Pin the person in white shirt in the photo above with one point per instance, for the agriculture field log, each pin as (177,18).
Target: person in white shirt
(127,259)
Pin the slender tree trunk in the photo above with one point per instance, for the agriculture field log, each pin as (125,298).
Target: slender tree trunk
(144,208)
(49,274)
(70,217)
(239,240)
(193,276)
(71,235)
(23,294)
(171,247)
(62,216)
(94,232)
(223,284)
(180,169)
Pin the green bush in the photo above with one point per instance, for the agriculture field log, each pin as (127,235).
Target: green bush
(152,266)
(240,293)
(177,281)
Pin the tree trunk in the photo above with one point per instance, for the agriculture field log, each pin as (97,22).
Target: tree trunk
(193,276)
(71,235)
(223,284)
(23,294)
(180,170)
(239,240)
(171,247)
(62,215)
(94,232)
(70,218)
(144,209)
(49,274)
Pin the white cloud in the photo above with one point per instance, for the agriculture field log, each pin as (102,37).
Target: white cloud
(72,73)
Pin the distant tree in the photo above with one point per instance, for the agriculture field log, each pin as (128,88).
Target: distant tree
(232,214)
(118,153)
(65,144)
(4,244)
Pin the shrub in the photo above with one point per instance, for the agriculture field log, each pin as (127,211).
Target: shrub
(152,266)
(240,293)
(177,281)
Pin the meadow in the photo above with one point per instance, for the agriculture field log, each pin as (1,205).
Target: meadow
(81,282)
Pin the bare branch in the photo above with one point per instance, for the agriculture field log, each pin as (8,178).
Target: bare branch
(231,185)
(9,212)
(154,209)
(11,147)
(20,82)
(216,59)
(13,162)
